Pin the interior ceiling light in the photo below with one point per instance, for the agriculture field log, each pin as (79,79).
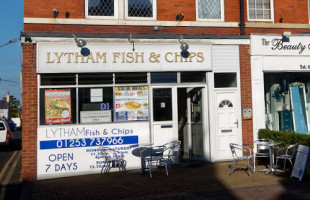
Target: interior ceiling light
(184,47)
(131,41)
(82,43)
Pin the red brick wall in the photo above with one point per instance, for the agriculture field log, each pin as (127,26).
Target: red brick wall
(29,115)
(166,10)
(246,92)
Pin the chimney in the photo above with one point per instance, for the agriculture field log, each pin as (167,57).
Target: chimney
(8,97)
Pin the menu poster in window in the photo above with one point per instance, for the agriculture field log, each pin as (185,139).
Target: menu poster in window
(57,106)
(131,103)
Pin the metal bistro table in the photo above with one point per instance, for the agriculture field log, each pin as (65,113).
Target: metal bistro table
(142,148)
(271,168)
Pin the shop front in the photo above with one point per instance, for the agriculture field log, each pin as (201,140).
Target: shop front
(120,97)
(281,83)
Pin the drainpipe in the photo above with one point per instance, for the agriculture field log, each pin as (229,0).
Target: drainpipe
(242,24)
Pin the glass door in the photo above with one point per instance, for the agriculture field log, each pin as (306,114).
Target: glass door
(190,122)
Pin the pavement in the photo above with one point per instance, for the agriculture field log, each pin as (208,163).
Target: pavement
(204,181)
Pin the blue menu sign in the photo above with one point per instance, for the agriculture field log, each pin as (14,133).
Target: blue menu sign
(300,162)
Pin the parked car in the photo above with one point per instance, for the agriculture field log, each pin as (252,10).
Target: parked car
(12,125)
(6,135)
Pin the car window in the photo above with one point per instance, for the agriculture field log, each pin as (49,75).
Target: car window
(2,126)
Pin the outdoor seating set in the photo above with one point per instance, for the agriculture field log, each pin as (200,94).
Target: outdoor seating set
(164,155)
(111,159)
(151,157)
(262,148)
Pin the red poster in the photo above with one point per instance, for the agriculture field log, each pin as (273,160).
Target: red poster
(57,106)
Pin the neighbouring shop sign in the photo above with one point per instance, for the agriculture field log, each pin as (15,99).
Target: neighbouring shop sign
(131,103)
(119,57)
(273,45)
(74,149)
(57,106)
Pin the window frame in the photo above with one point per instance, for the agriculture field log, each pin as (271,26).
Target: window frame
(141,18)
(215,20)
(259,20)
(116,11)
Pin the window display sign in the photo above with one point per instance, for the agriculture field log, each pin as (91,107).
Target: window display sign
(96,116)
(75,149)
(57,106)
(131,103)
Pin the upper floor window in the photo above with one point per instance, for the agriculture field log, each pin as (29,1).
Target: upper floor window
(102,8)
(120,9)
(260,10)
(140,8)
(210,9)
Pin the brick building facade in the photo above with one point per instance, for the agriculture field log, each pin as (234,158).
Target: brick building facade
(222,35)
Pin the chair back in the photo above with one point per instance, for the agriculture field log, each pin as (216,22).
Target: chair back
(291,150)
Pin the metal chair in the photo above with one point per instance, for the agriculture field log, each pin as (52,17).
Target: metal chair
(172,155)
(286,153)
(261,150)
(112,158)
(240,153)
(155,159)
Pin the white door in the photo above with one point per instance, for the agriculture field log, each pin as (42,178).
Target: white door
(164,115)
(227,123)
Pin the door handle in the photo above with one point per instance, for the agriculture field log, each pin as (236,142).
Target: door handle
(237,123)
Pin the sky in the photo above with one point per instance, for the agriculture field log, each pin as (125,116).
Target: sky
(11,24)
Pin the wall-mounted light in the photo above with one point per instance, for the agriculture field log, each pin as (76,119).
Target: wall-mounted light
(55,13)
(132,42)
(81,43)
(184,47)
(27,37)
(179,17)
(286,36)
(67,14)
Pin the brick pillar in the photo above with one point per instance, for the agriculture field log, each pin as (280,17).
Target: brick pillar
(29,114)
(246,92)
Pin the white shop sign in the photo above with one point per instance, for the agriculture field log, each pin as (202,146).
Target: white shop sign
(273,45)
(285,63)
(300,162)
(119,57)
(73,150)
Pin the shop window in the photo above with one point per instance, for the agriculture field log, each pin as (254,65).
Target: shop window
(131,103)
(58,106)
(58,79)
(287,97)
(97,78)
(162,104)
(260,10)
(191,77)
(225,80)
(95,105)
(210,9)
(164,77)
(140,9)
(130,78)
(101,8)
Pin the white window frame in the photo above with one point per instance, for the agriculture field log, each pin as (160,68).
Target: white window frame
(116,11)
(271,13)
(216,20)
(141,18)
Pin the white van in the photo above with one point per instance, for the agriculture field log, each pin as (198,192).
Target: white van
(6,135)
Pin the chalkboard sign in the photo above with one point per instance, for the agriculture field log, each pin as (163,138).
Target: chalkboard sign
(300,162)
